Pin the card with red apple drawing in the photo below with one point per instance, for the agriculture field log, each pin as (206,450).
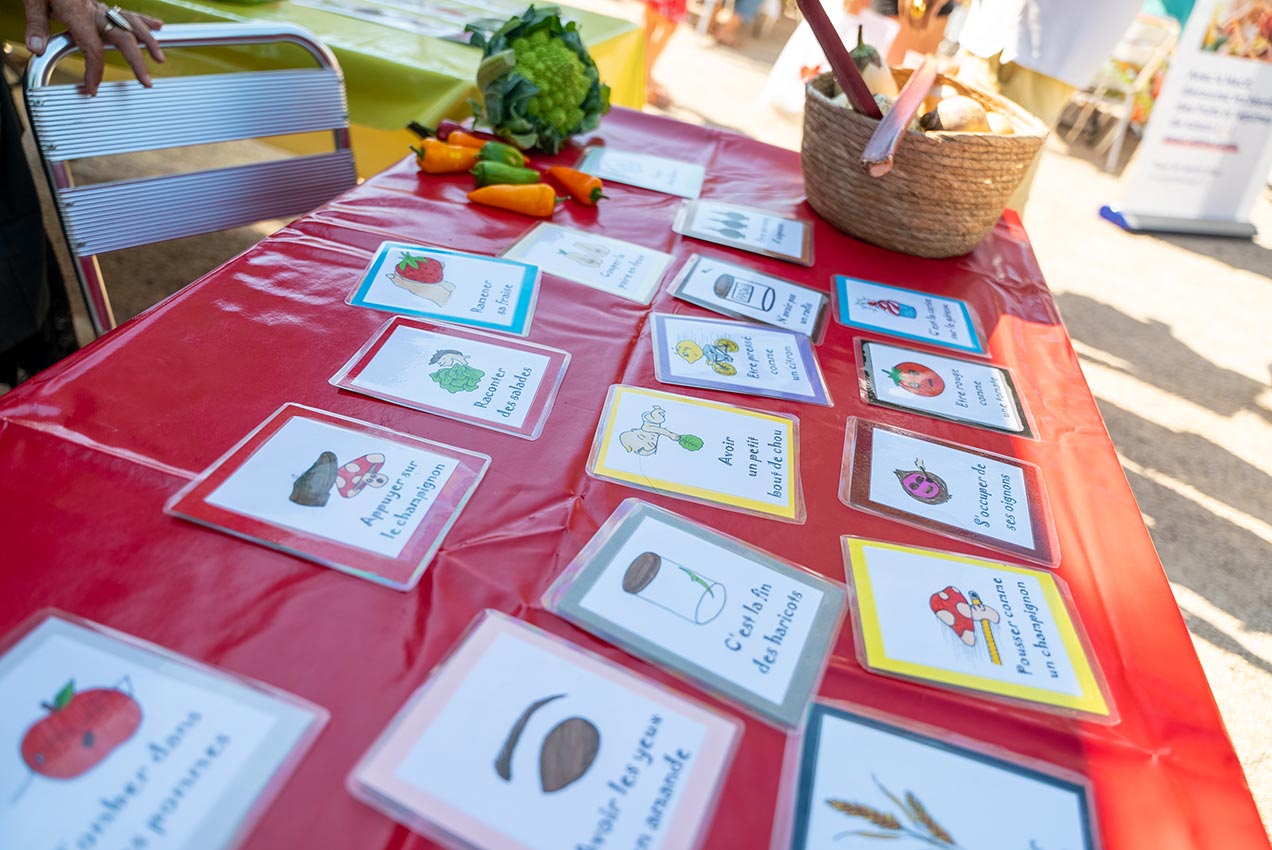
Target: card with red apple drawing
(110,741)
(952,489)
(343,493)
(945,387)
(491,293)
(469,376)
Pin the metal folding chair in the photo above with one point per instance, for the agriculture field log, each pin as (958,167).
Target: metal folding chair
(126,117)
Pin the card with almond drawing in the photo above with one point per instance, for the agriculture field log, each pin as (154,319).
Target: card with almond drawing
(346,494)
(108,741)
(864,783)
(450,286)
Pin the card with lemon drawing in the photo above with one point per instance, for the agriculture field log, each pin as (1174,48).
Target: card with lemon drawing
(736,357)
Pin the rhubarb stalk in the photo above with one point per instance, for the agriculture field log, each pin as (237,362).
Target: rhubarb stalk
(876,159)
(841,64)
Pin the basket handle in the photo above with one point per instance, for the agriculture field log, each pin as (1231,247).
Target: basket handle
(876,159)
(845,70)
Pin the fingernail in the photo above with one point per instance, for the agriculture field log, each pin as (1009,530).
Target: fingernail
(35,44)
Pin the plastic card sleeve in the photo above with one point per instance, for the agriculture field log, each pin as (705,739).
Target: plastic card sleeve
(747,228)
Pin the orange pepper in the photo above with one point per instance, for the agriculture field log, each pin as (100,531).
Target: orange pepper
(537,199)
(440,158)
(466,140)
(584,188)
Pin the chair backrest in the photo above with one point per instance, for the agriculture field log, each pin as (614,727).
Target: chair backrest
(126,117)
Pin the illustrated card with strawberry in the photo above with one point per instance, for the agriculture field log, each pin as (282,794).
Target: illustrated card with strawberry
(945,387)
(620,268)
(343,493)
(469,376)
(954,621)
(491,293)
(704,451)
(956,490)
(908,314)
(862,780)
(109,741)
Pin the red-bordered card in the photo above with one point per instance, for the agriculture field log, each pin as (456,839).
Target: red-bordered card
(343,493)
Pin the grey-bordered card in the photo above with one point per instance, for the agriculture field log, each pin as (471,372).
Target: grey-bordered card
(738,621)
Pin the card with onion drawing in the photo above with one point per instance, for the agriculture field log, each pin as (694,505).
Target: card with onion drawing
(343,493)
(520,740)
(110,741)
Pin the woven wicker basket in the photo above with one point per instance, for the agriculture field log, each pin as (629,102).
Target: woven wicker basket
(945,190)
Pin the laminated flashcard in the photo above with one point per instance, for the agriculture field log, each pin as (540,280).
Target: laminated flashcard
(732,618)
(109,741)
(450,286)
(610,265)
(955,490)
(716,354)
(700,450)
(864,783)
(346,494)
(469,376)
(961,622)
(945,387)
(906,313)
(734,290)
(656,173)
(747,228)
(523,741)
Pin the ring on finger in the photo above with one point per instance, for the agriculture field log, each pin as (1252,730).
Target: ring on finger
(114,16)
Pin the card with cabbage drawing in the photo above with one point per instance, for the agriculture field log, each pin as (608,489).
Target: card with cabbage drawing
(948,388)
(750,229)
(110,741)
(656,173)
(620,268)
(736,357)
(960,491)
(455,287)
(473,377)
(738,621)
(908,314)
(520,740)
(866,783)
(343,493)
(743,293)
(955,621)
(703,451)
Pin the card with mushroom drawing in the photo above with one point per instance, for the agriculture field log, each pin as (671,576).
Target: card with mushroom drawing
(945,387)
(867,784)
(109,741)
(736,620)
(906,313)
(610,265)
(736,357)
(703,451)
(346,494)
(759,231)
(469,376)
(522,741)
(956,490)
(450,286)
(961,622)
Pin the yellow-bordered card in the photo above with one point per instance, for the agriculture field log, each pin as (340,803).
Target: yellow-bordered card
(966,623)
(704,451)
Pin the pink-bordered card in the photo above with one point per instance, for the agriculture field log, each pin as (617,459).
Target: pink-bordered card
(522,741)
(343,493)
(478,378)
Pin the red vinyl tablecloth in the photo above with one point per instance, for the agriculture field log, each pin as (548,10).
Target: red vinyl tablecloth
(92,449)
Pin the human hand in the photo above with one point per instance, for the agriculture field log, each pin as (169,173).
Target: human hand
(92,25)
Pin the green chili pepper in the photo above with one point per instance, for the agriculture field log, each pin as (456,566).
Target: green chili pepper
(490,173)
(499,152)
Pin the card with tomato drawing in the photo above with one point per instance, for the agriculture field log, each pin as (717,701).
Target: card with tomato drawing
(343,493)
(956,490)
(716,354)
(450,286)
(733,290)
(750,229)
(945,387)
(520,740)
(109,741)
(703,451)
(610,265)
(865,782)
(967,623)
(656,173)
(469,376)
(908,314)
